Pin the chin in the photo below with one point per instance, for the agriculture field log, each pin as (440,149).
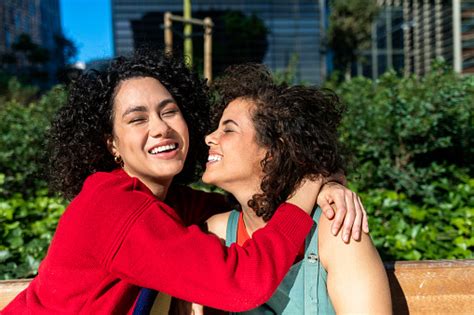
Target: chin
(208,179)
(170,171)
(205,179)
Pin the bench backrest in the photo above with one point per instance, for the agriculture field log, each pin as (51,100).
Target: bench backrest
(432,287)
(418,287)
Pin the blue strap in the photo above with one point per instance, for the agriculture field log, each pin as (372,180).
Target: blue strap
(145,301)
(232,225)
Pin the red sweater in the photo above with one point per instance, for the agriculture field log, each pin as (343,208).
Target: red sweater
(115,237)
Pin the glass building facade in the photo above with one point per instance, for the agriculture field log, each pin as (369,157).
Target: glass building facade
(294,28)
(408,35)
(40,19)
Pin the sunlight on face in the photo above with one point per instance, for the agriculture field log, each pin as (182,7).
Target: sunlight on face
(234,155)
(150,133)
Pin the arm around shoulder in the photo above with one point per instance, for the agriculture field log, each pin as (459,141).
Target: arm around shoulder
(356,280)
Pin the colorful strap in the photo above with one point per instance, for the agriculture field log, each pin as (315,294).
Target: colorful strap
(145,301)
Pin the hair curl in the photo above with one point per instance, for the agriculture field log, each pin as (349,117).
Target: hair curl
(78,135)
(297,125)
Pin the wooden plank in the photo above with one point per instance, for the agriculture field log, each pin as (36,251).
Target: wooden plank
(10,288)
(432,287)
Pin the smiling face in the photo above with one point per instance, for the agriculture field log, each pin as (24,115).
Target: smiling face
(149,132)
(234,155)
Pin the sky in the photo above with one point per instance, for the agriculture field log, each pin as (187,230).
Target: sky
(88,23)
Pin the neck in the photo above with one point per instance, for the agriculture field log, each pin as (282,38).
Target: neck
(251,220)
(158,187)
(159,191)
(244,192)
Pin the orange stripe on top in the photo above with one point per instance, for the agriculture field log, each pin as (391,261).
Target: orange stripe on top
(243,236)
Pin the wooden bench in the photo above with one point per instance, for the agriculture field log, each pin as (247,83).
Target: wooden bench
(418,287)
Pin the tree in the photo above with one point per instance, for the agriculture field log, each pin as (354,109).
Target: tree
(66,48)
(350,29)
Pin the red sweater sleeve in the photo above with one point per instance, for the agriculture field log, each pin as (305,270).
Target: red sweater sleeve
(158,252)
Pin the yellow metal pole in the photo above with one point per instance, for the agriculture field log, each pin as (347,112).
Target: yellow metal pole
(188,31)
(208,49)
(168,33)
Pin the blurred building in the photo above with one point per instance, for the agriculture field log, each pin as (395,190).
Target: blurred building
(40,20)
(409,35)
(294,28)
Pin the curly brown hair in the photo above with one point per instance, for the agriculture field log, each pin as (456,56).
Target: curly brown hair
(296,124)
(77,137)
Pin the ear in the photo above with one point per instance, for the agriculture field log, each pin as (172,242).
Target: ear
(111,145)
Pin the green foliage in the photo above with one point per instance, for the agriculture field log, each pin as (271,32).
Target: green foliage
(404,230)
(12,89)
(26,229)
(410,141)
(23,129)
(406,133)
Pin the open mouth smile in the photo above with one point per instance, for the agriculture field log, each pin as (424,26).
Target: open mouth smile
(212,158)
(164,148)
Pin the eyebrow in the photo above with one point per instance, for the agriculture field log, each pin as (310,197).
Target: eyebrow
(141,108)
(230,121)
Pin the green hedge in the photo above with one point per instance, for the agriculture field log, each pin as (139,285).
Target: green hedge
(406,133)
(404,230)
(411,144)
(27,226)
(23,128)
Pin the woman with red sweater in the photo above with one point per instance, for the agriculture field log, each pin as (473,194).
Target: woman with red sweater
(120,147)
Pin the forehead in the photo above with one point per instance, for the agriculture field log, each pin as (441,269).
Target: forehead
(239,108)
(140,90)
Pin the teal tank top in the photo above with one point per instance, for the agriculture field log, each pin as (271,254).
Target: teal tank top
(303,290)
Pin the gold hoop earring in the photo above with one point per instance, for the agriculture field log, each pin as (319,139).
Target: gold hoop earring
(118,160)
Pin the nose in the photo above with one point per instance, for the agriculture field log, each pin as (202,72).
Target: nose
(211,139)
(158,127)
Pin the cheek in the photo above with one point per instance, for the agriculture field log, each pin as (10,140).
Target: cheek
(184,133)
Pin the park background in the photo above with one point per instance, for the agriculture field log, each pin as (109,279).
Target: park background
(402,68)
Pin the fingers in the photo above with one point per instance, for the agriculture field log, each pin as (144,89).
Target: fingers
(326,207)
(197,309)
(356,228)
(349,218)
(365,219)
(341,211)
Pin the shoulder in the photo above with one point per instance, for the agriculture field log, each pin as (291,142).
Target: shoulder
(332,248)
(113,192)
(217,224)
(356,281)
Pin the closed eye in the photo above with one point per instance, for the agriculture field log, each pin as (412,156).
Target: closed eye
(169,113)
(137,120)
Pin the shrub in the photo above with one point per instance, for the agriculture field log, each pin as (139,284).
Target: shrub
(404,230)
(23,130)
(404,133)
(27,225)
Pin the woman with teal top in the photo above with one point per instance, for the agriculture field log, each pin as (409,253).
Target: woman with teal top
(269,139)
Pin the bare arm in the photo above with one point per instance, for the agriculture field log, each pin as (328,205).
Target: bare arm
(357,281)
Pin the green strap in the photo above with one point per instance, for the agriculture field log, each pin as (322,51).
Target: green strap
(232,223)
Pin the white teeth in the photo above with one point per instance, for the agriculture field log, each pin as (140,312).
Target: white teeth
(214,158)
(163,148)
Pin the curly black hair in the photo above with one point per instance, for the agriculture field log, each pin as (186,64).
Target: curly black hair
(78,134)
(296,124)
